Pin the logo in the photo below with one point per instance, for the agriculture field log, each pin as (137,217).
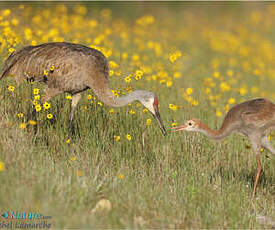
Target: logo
(23,215)
(5,215)
(24,220)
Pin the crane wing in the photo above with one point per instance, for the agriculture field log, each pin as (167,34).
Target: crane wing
(257,111)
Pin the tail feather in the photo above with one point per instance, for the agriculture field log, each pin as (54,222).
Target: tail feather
(12,59)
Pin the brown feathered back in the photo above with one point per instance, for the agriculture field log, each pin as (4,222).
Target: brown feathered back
(259,111)
(75,66)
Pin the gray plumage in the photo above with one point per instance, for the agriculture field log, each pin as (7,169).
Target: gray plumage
(254,119)
(76,69)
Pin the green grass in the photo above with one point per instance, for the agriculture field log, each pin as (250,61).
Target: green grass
(183,180)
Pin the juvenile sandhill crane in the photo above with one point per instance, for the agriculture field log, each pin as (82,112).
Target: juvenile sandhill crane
(253,118)
(76,69)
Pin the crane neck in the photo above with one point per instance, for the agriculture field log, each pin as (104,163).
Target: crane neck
(109,99)
(218,134)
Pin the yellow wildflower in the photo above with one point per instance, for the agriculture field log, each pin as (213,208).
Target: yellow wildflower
(11,49)
(11,88)
(148,122)
(73,158)
(33,43)
(45,73)
(121,176)
(162,81)
(128,137)
(14,22)
(145,110)
(22,125)
(231,101)
(137,77)
(99,103)
(177,75)
(132,112)
(111,111)
(174,56)
(261,150)
(111,73)
(169,83)
(194,102)
(37,97)
(189,91)
(124,55)
(117,138)
(115,93)
(52,68)
(113,65)
(49,116)
(139,72)
(218,113)
(173,107)
(226,108)
(69,97)
(127,79)
(2,166)
(20,115)
(243,91)
(118,73)
(36,91)
(93,23)
(188,98)
(6,12)
(207,90)
(224,86)
(46,105)
(174,124)
(216,74)
(230,73)
(135,57)
(38,108)
(68,141)
(32,122)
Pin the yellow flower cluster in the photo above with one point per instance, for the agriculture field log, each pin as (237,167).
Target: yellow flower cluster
(174,56)
(223,66)
(145,20)
(128,137)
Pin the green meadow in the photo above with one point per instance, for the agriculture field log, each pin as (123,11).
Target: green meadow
(199,58)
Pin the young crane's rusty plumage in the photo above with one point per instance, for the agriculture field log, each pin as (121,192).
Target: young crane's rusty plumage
(253,118)
(77,68)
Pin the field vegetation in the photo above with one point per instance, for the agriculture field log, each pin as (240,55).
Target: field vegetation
(199,58)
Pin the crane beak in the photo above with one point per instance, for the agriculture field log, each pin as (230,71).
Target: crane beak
(158,118)
(178,128)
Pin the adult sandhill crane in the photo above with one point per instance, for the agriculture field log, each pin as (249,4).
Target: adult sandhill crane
(76,69)
(253,118)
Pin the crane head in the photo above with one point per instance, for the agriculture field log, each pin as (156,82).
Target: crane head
(150,101)
(190,125)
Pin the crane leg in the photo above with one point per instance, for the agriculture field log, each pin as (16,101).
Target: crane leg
(256,146)
(257,175)
(75,100)
(267,145)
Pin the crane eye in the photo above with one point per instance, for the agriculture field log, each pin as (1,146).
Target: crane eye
(189,123)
